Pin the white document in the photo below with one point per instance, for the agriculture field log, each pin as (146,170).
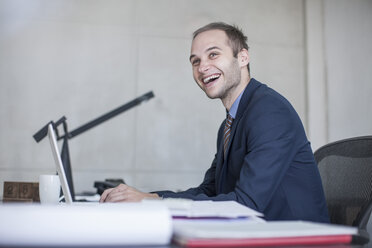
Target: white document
(85,224)
(206,209)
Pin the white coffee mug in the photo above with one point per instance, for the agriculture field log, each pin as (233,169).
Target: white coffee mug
(49,189)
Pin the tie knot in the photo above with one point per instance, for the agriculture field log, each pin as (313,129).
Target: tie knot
(229,120)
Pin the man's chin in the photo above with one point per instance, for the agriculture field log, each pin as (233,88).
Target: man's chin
(212,95)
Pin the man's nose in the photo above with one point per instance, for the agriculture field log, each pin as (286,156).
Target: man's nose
(204,66)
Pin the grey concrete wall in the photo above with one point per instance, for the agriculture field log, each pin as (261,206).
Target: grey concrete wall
(348,39)
(83,58)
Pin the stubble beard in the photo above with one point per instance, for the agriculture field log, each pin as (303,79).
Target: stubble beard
(232,81)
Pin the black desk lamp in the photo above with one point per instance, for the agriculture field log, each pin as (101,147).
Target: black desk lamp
(65,154)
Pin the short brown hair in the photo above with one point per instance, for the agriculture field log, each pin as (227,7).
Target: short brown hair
(236,39)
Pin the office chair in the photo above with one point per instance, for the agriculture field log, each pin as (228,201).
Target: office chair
(345,167)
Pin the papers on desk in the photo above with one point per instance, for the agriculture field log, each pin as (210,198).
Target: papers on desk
(228,223)
(185,208)
(84,224)
(245,233)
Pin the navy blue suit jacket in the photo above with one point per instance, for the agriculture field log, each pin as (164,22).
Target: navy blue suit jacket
(269,165)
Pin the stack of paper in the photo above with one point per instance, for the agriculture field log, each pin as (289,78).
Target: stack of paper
(184,208)
(84,224)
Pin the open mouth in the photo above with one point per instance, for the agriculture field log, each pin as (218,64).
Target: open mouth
(211,78)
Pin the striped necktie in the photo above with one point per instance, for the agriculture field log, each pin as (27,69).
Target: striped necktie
(226,133)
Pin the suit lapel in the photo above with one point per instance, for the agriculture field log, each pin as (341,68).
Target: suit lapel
(221,167)
(244,101)
(232,134)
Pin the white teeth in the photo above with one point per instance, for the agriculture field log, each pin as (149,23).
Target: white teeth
(207,79)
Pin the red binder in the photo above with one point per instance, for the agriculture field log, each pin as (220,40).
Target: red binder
(260,242)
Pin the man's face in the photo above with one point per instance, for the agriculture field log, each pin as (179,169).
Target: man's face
(215,69)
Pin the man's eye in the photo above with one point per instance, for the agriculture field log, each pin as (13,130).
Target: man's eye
(195,62)
(212,55)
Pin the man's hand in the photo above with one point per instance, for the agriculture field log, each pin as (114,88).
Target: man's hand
(124,193)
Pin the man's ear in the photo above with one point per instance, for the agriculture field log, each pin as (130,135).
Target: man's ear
(243,57)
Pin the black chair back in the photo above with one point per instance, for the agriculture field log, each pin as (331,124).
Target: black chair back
(345,167)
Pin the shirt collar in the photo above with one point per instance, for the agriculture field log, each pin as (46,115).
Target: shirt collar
(234,107)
